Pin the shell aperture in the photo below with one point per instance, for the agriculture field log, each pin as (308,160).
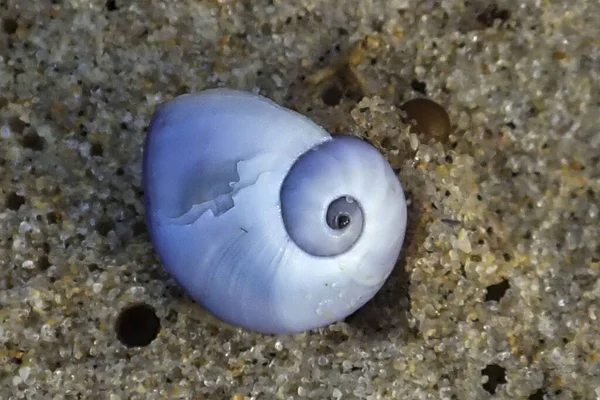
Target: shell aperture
(265,219)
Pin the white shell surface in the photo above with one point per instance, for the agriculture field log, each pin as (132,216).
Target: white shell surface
(214,164)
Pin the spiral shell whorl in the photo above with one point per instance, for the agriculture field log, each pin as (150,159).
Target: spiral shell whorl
(338,282)
(314,196)
(346,177)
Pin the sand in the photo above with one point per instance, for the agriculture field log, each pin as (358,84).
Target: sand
(496,293)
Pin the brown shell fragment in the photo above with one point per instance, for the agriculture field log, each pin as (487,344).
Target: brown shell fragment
(427,117)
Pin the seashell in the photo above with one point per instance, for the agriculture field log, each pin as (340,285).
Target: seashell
(265,219)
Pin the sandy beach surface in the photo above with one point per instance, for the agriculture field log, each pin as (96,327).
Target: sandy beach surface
(496,294)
